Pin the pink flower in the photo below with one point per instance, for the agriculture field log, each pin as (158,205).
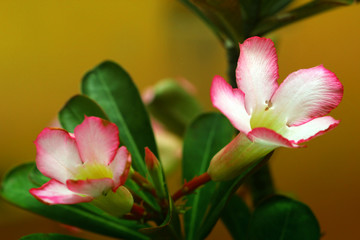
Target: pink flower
(85,166)
(266,114)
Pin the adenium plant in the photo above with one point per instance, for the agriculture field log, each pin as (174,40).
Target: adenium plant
(83,177)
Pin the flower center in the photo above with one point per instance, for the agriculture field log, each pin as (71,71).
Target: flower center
(93,171)
(267,116)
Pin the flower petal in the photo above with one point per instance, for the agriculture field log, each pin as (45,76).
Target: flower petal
(231,103)
(257,71)
(269,137)
(55,192)
(91,187)
(311,129)
(120,167)
(97,140)
(307,94)
(57,155)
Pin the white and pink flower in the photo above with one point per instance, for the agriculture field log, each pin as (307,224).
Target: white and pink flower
(266,114)
(85,166)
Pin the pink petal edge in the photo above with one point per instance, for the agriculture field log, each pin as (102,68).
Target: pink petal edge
(55,192)
(270,137)
(231,103)
(97,140)
(120,167)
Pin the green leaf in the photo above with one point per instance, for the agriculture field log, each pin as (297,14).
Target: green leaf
(307,10)
(173,106)
(49,236)
(282,218)
(15,189)
(203,139)
(74,111)
(236,217)
(112,88)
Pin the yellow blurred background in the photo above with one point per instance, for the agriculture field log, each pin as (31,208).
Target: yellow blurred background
(47,46)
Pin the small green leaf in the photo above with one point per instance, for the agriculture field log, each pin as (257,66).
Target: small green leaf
(72,114)
(15,189)
(112,88)
(203,139)
(282,218)
(236,217)
(173,106)
(49,236)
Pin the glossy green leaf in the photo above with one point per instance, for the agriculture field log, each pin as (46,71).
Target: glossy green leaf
(74,111)
(282,218)
(49,236)
(203,139)
(307,10)
(15,189)
(236,217)
(112,88)
(173,106)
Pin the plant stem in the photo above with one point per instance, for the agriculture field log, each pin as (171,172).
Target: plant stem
(191,186)
(143,183)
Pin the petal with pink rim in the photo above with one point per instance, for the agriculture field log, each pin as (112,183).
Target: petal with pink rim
(120,167)
(307,94)
(311,129)
(54,192)
(231,103)
(257,71)
(269,137)
(57,155)
(90,187)
(97,140)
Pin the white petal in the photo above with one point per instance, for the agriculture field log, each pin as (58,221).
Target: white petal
(57,155)
(257,72)
(311,129)
(307,94)
(54,192)
(231,103)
